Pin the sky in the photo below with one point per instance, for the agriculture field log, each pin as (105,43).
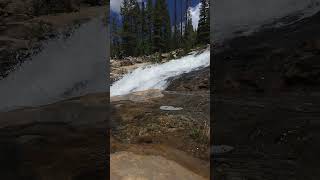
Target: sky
(195,9)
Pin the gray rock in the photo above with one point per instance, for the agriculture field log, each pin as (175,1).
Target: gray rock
(170,108)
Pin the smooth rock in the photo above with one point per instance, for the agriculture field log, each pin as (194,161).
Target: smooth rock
(170,108)
(129,166)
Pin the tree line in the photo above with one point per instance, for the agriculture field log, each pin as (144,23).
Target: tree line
(146,28)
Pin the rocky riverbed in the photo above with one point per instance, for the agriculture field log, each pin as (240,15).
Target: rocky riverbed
(68,139)
(161,126)
(122,66)
(173,124)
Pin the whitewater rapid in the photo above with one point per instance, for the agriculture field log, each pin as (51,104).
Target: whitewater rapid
(156,76)
(64,68)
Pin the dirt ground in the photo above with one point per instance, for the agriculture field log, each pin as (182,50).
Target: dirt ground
(182,135)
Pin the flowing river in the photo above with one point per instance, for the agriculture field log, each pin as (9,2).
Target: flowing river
(78,65)
(156,76)
(63,69)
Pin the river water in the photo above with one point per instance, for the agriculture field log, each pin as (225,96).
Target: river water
(156,76)
(63,69)
(78,65)
(230,17)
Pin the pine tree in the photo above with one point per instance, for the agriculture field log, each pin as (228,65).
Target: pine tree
(203,34)
(126,35)
(143,31)
(130,12)
(161,27)
(115,43)
(188,31)
(157,27)
(136,25)
(167,31)
(149,26)
(175,35)
(181,21)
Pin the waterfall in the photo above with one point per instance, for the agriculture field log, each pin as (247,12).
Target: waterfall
(156,76)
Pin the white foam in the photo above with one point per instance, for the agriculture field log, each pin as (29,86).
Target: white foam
(156,76)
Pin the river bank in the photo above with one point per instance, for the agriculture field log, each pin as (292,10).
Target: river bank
(142,126)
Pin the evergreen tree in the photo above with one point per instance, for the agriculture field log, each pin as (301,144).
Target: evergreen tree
(126,33)
(189,34)
(157,27)
(203,34)
(181,21)
(167,31)
(135,25)
(161,27)
(149,26)
(175,35)
(130,12)
(146,28)
(142,31)
(115,39)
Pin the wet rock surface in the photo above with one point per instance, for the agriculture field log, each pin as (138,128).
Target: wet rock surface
(198,80)
(25,25)
(65,140)
(267,105)
(271,61)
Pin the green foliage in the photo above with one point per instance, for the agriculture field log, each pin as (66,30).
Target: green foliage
(203,34)
(146,28)
(149,26)
(115,39)
(189,33)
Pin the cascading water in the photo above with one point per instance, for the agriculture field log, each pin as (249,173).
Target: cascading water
(63,69)
(78,65)
(231,16)
(157,76)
